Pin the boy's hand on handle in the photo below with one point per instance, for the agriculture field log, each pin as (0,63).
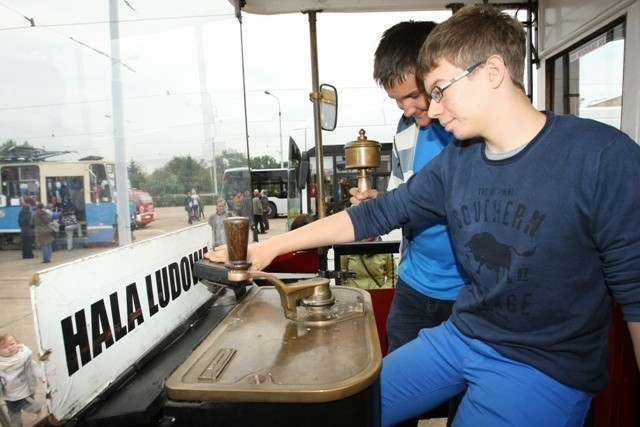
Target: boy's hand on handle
(357,197)
(336,228)
(217,254)
(257,253)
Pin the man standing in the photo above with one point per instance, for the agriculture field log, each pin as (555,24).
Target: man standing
(27,232)
(257,212)
(264,199)
(216,221)
(188,204)
(195,205)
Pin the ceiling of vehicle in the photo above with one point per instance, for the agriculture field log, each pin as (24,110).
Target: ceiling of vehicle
(271,7)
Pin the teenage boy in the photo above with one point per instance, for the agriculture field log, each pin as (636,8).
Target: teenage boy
(429,276)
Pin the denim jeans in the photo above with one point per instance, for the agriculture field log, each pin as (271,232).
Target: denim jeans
(16,407)
(500,392)
(411,311)
(46,252)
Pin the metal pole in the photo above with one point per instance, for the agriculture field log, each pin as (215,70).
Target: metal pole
(244,91)
(214,172)
(122,189)
(317,125)
(280,124)
(317,129)
(206,107)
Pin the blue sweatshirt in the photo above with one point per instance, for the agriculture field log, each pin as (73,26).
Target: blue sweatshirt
(546,237)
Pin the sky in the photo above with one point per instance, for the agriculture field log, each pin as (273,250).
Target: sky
(56,90)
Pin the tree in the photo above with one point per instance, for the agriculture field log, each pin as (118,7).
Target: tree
(180,175)
(137,177)
(6,146)
(162,183)
(230,159)
(10,149)
(264,162)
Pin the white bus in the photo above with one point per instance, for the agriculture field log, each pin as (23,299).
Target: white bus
(273,181)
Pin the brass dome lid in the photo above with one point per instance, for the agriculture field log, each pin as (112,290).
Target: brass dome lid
(362,153)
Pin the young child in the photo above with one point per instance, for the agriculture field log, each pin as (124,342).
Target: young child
(18,379)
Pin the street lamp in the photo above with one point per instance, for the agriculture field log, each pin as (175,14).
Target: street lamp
(280,123)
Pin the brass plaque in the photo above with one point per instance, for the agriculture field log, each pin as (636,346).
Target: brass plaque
(217,365)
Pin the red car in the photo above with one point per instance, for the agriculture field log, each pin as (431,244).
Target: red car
(145,209)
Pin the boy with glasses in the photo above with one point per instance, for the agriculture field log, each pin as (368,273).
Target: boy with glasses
(542,210)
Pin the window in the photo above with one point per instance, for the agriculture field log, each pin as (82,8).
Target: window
(20,183)
(587,78)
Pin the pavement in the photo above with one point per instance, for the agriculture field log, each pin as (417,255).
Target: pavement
(16,316)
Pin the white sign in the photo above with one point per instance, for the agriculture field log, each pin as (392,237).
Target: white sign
(98,315)
(588,48)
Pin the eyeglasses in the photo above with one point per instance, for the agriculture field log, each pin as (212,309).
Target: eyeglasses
(437,92)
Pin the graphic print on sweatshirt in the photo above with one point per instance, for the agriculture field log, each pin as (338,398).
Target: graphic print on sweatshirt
(493,255)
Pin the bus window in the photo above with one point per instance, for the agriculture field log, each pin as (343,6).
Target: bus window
(102,179)
(588,77)
(338,179)
(233,181)
(20,184)
(273,181)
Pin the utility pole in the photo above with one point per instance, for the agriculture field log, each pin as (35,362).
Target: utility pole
(122,189)
(280,124)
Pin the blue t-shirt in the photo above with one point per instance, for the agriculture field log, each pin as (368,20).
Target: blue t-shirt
(428,263)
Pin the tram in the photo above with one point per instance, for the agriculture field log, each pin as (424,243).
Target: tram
(88,185)
(582,60)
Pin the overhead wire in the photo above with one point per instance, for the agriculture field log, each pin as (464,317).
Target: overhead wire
(51,27)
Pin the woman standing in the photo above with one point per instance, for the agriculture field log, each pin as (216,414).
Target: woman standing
(44,238)
(27,234)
